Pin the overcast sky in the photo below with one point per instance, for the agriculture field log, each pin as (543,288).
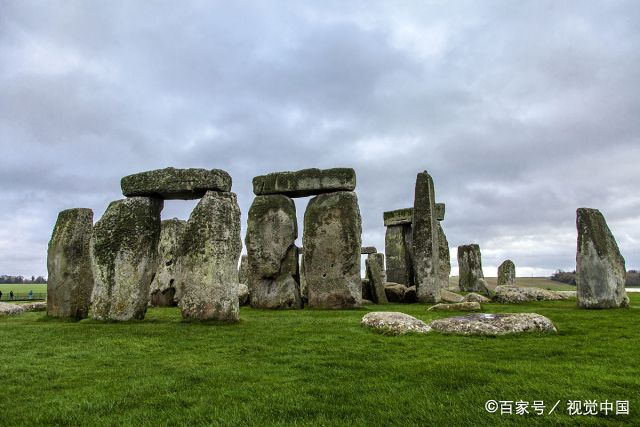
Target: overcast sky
(521,111)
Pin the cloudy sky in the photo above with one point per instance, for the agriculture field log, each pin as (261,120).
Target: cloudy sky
(521,111)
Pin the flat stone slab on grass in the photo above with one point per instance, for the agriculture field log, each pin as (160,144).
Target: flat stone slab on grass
(10,309)
(393,322)
(513,294)
(172,183)
(305,182)
(493,324)
(34,306)
(473,297)
(457,306)
(448,296)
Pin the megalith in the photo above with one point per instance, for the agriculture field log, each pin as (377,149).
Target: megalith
(208,259)
(600,268)
(124,255)
(444,265)
(397,246)
(70,280)
(332,243)
(272,256)
(172,183)
(471,277)
(164,287)
(426,261)
(243,271)
(374,264)
(507,274)
(305,182)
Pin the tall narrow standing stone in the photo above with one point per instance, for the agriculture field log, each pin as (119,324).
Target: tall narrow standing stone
(124,254)
(243,271)
(471,277)
(397,250)
(425,241)
(375,274)
(600,268)
(164,286)
(507,274)
(444,270)
(332,241)
(272,256)
(69,265)
(208,259)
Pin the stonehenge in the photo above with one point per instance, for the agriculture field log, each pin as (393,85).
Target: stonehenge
(507,273)
(171,183)
(471,277)
(600,268)
(306,182)
(164,290)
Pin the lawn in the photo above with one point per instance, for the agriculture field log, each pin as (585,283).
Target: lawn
(312,367)
(22,288)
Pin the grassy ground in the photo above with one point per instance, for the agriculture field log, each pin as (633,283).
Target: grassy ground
(312,367)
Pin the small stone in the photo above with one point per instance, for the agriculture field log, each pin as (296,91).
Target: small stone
(394,323)
(473,297)
(172,183)
(493,324)
(507,274)
(243,294)
(448,296)
(440,209)
(471,277)
(457,306)
(306,182)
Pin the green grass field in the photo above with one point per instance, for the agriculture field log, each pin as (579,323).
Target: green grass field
(537,282)
(312,367)
(23,288)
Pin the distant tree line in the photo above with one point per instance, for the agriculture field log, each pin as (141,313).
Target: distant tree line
(21,279)
(569,277)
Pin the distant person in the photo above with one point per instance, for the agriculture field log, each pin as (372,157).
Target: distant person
(11,295)
(0,295)
(30,294)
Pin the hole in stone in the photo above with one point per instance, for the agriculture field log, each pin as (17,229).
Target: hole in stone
(180,209)
(324,274)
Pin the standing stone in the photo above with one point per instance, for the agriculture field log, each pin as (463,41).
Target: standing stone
(332,241)
(304,292)
(397,251)
(243,271)
(164,290)
(426,261)
(69,265)
(375,274)
(124,255)
(208,259)
(600,268)
(444,270)
(272,256)
(507,274)
(471,277)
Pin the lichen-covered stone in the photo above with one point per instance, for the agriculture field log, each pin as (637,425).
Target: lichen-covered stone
(471,277)
(457,306)
(164,290)
(306,182)
(448,296)
(368,250)
(493,324)
(507,274)
(208,259)
(425,252)
(394,323)
(332,242)
(440,210)
(304,292)
(8,309)
(243,271)
(375,274)
(397,252)
(444,264)
(70,280)
(172,183)
(394,292)
(243,294)
(600,268)
(398,217)
(124,255)
(410,295)
(34,306)
(514,295)
(474,297)
(272,256)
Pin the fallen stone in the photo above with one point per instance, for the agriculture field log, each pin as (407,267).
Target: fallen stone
(397,252)
(567,294)
(410,295)
(600,268)
(208,259)
(507,274)
(243,294)
(8,309)
(172,183)
(493,324)
(448,296)
(375,274)
(272,256)
(70,280)
(124,255)
(457,306)
(473,297)
(332,242)
(366,302)
(440,209)
(398,217)
(306,182)
(444,264)
(163,291)
(512,295)
(425,251)
(34,306)
(394,292)
(471,277)
(368,250)
(394,323)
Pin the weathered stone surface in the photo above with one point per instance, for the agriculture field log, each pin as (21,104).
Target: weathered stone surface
(440,210)
(398,217)
(457,306)
(391,322)
(70,280)
(163,291)
(473,297)
(397,252)
(567,294)
(512,294)
(304,292)
(172,183)
(332,242)
(600,268)
(273,275)
(34,306)
(394,292)
(471,277)
(306,182)
(8,309)
(448,296)
(243,294)
(124,258)
(368,250)
(507,274)
(493,324)
(425,252)
(444,264)
(376,277)
(208,259)
(410,295)
(243,271)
